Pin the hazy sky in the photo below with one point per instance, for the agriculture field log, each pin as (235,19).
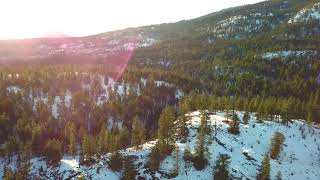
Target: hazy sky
(34,18)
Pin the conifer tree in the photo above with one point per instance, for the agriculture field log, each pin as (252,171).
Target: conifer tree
(53,150)
(143,135)
(201,156)
(24,165)
(204,122)
(276,145)
(102,142)
(72,141)
(246,118)
(309,117)
(264,172)
(85,146)
(155,158)
(7,174)
(286,111)
(129,169)
(259,113)
(92,146)
(124,137)
(221,167)
(135,132)
(5,129)
(165,134)
(23,171)
(234,125)
(182,128)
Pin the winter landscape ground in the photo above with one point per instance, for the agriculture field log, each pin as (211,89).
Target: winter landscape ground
(299,159)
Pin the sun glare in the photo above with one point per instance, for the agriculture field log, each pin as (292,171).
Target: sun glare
(33,18)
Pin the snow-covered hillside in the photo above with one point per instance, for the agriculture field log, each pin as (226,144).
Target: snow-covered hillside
(107,84)
(101,46)
(300,158)
(237,26)
(307,14)
(288,54)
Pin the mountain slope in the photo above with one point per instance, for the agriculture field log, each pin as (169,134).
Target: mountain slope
(234,23)
(298,160)
(217,54)
(226,50)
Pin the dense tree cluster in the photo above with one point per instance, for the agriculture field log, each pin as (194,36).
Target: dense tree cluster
(266,108)
(53,110)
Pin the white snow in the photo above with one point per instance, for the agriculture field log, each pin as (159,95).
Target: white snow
(54,108)
(300,158)
(179,94)
(231,26)
(147,42)
(14,89)
(255,141)
(307,14)
(162,83)
(286,54)
(69,167)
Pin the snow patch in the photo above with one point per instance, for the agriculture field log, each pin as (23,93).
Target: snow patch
(307,14)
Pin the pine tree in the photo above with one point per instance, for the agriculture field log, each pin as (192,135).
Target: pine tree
(19,176)
(165,134)
(129,172)
(114,142)
(234,125)
(135,132)
(276,145)
(309,117)
(183,131)
(221,167)
(24,165)
(85,146)
(53,150)
(155,158)
(70,135)
(5,129)
(264,172)
(92,147)
(124,137)
(204,122)
(7,174)
(286,111)
(246,118)
(187,155)
(143,135)
(23,171)
(201,156)
(259,114)
(26,152)
(72,143)
(102,142)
